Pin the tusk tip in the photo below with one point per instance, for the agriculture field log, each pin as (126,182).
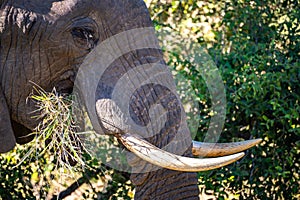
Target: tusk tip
(222,149)
(258,140)
(239,155)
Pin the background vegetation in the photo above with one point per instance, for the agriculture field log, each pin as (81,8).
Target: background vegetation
(256,47)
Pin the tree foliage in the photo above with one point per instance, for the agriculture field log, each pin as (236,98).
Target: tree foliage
(256,46)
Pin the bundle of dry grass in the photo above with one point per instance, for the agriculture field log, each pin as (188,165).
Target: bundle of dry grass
(57,133)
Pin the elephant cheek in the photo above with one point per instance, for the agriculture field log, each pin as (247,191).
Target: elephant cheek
(7,138)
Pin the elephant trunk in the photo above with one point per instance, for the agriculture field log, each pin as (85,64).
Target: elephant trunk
(166,184)
(134,92)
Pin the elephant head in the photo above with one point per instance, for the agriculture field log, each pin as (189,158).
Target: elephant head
(108,50)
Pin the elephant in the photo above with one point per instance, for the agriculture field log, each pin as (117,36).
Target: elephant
(47,42)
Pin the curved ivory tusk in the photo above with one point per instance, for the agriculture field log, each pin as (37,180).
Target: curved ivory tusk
(222,149)
(156,156)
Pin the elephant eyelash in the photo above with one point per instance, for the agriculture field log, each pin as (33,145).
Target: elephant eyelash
(82,33)
(84,37)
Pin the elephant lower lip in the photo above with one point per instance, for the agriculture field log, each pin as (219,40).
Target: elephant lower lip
(65,82)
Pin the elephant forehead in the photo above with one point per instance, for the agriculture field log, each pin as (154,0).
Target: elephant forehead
(48,10)
(59,8)
(44,7)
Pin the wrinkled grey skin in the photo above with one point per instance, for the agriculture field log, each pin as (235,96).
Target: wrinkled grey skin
(45,41)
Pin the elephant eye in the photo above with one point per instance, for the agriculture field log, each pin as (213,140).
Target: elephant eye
(84,37)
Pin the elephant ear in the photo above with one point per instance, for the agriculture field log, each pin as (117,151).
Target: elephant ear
(7,138)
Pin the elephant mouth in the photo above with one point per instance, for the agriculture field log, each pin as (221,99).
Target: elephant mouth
(65,86)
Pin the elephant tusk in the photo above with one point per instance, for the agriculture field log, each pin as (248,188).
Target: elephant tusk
(222,149)
(164,159)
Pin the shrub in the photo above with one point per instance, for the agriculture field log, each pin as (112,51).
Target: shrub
(255,45)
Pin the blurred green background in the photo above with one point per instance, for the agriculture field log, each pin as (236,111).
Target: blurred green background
(256,47)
